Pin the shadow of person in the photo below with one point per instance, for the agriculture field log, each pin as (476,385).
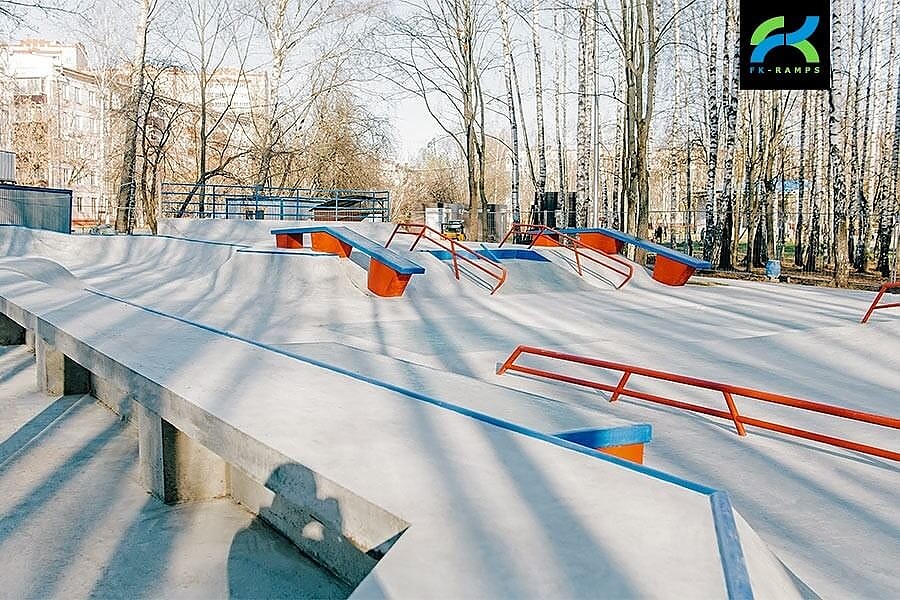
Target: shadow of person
(281,553)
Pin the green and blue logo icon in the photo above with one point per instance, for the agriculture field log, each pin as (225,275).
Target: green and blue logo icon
(785,45)
(765,39)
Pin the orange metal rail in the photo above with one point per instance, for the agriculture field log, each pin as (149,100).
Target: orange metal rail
(470,257)
(728,391)
(881,292)
(575,245)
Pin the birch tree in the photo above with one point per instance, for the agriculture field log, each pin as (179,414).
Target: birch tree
(582,128)
(511,110)
(712,154)
(125,198)
(437,53)
(541,186)
(836,101)
(727,211)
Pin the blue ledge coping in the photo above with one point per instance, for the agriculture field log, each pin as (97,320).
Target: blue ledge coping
(608,437)
(669,253)
(367,246)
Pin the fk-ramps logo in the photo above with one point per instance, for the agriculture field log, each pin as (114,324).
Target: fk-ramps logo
(785,45)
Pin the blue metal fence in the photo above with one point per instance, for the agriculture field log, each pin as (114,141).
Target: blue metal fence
(215,201)
(37,208)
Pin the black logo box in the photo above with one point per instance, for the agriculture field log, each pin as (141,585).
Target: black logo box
(785,67)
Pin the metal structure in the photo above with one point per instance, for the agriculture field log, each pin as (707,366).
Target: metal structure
(881,292)
(728,392)
(215,201)
(541,235)
(458,252)
(7,167)
(37,208)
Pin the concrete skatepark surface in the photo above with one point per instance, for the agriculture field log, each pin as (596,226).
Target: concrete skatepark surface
(791,340)
(79,523)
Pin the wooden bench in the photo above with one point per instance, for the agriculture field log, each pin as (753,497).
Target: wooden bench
(389,272)
(671,267)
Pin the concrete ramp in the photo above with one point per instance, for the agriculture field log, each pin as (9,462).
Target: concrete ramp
(400,492)
(258,233)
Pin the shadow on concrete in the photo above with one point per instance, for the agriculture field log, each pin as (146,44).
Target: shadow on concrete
(259,547)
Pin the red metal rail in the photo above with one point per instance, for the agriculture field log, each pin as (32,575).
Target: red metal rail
(575,245)
(495,270)
(881,292)
(728,392)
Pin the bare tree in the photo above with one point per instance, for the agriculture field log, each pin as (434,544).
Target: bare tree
(125,198)
(439,56)
(836,101)
(508,67)
(539,104)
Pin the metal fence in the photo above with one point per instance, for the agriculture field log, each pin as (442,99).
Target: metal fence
(283,204)
(37,208)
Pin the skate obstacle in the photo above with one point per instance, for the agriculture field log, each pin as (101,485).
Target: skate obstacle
(396,491)
(671,268)
(389,271)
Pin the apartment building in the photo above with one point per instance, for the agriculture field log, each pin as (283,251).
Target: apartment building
(57,122)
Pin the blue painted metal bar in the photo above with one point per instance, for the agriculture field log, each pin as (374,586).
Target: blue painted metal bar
(734,566)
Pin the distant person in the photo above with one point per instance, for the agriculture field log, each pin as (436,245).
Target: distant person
(658,234)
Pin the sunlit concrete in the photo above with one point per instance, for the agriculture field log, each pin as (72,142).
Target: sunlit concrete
(821,509)
(76,522)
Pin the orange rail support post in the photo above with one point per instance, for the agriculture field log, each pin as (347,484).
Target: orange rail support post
(727,390)
(543,232)
(470,257)
(884,288)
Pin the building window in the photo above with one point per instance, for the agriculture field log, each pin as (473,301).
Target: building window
(79,204)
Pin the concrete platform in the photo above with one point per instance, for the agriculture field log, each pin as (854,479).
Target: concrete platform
(829,514)
(384,471)
(75,521)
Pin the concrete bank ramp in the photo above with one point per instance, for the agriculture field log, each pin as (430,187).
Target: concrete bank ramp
(258,233)
(458,506)
(122,261)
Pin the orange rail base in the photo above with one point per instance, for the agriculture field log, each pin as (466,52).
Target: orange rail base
(729,392)
(884,288)
(601,242)
(630,452)
(385,281)
(665,270)
(290,241)
(542,235)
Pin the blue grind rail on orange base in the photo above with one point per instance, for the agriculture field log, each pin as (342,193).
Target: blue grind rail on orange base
(367,246)
(734,566)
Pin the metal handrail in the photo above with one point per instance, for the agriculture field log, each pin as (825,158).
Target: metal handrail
(441,241)
(884,288)
(536,231)
(728,391)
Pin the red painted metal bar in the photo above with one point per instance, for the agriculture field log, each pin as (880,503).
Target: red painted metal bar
(884,288)
(575,245)
(728,391)
(437,238)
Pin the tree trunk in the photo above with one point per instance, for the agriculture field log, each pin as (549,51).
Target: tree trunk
(511,106)
(712,120)
(836,101)
(125,198)
(539,105)
(732,45)
(583,132)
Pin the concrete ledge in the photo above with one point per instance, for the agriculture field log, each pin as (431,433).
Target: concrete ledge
(516,511)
